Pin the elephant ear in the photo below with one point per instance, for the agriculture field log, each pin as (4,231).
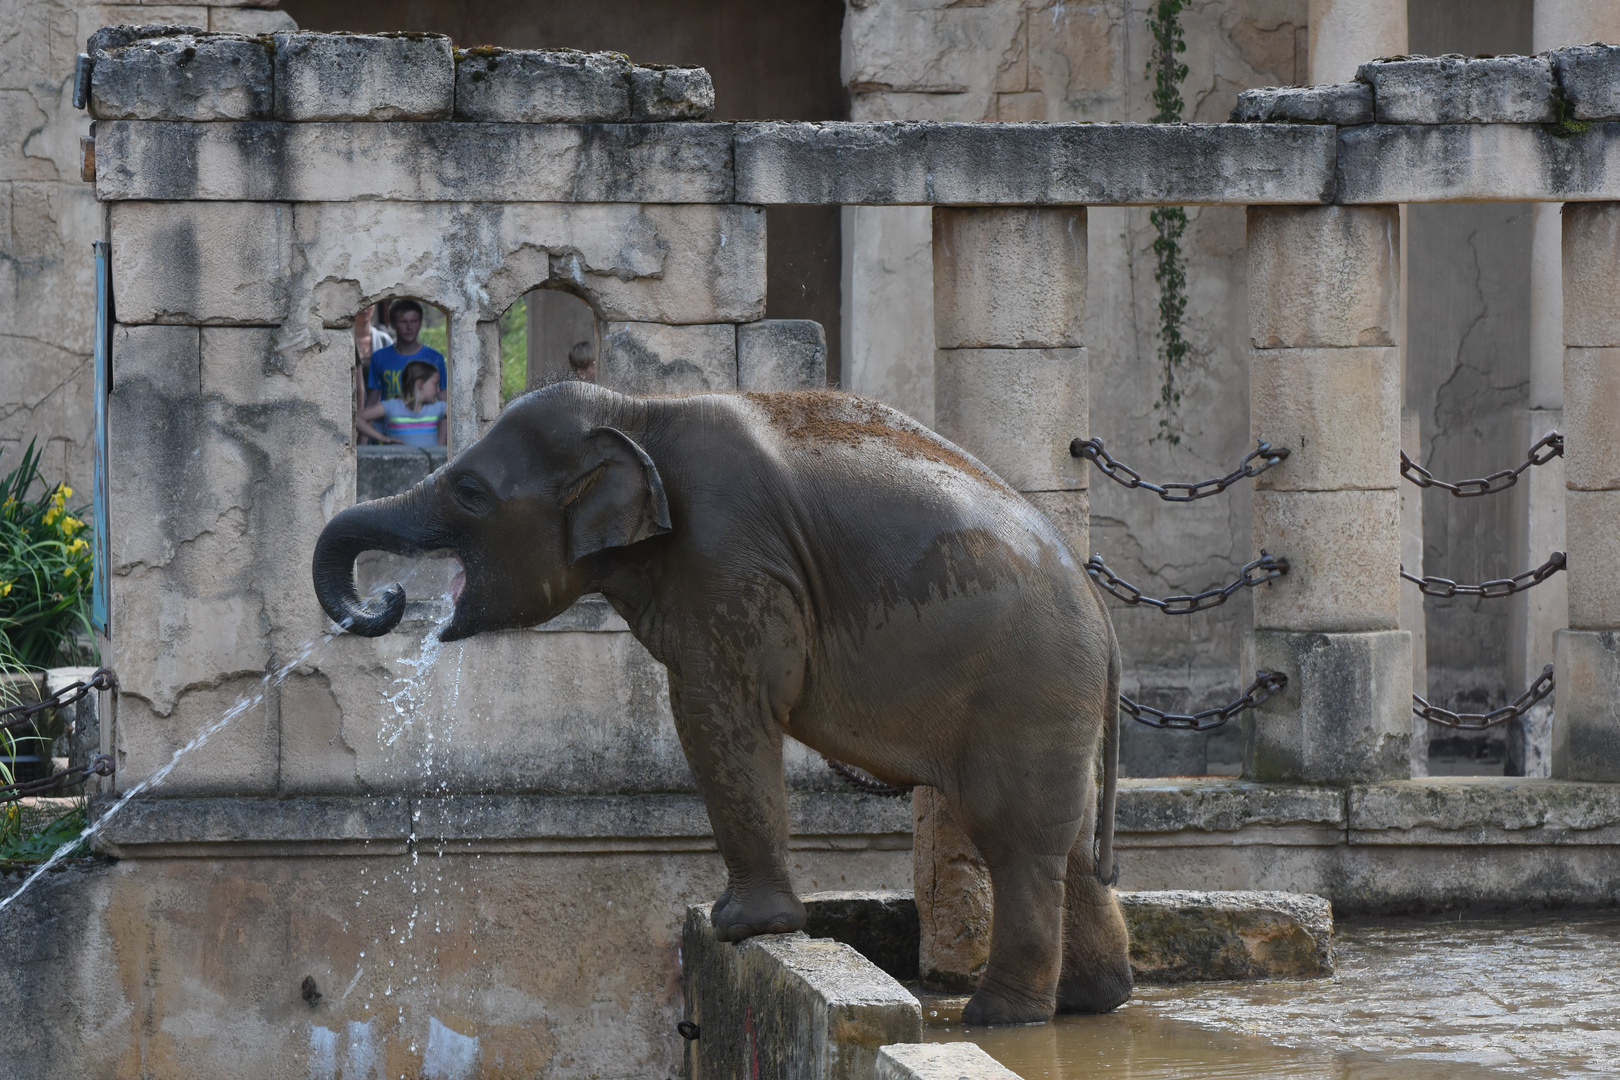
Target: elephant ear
(618,500)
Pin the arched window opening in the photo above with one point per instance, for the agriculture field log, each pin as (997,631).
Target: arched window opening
(547,336)
(401,376)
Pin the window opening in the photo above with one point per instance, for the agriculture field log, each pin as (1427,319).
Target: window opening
(547,336)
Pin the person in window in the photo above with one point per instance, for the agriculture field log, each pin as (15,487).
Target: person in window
(418,418)
(388,364)
(368,339)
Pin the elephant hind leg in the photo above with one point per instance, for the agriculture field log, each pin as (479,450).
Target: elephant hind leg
(1096,947)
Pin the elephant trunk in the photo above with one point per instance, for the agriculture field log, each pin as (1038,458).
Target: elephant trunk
(396,524)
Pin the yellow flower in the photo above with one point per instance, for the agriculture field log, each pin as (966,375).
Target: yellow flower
(5,589)
(69,572)
(71,525)
(64,493)
(78,546)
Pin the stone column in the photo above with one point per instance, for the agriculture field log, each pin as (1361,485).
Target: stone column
(1538,614)
(1586,729)
(1325,382)
(1346,33)
(1010,385)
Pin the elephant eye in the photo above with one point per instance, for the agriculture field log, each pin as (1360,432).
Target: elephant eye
(471,496)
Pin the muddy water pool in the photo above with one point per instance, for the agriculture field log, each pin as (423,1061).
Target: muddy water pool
(1438,999)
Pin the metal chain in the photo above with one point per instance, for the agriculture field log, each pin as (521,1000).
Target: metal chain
(1498,587)
(1117,471)
(1468,721)
(1268,567)
(1265,684)
(101,766)
(1549,446)
(862,782)
(17,716)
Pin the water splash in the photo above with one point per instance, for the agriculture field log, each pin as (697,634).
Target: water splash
(242,704)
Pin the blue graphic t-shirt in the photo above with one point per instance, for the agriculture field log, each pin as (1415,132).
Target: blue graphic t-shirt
(387,364)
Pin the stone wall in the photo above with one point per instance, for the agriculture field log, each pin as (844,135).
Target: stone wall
(48,217)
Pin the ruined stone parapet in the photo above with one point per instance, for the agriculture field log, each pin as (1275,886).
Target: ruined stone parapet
(1577,84)
(939,1061)
(163,72)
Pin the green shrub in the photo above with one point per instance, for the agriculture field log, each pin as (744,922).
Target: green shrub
(45,570)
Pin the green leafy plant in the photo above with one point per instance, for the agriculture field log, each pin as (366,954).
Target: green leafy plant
(45,569)
(1169,222)
(31,834)
(515,350)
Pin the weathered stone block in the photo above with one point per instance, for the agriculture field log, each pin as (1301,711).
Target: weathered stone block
(116,37)
(1016,410)
(1458,810)
(1344,104)
(1070,511)
(881,926)
(781,354)
(1406,163)
(663,264)
(952,887)
(1181,936)
(185,77)
(388,470)
(877,164)
(1592,530)
(1323,276)
(1462,90)
(223,263)
(542,86)
(1589,78)
(1010,278)
(1344,715)
(1586,728)
(793,1006)
(1592,419)
(408,161)
(670,93)
(1343,550)
(1337,411)
(650,358)
(939,1061)
(364,76)
(168,358)
(1592,274)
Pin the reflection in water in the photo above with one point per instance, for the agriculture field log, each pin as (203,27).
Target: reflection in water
(1437,999)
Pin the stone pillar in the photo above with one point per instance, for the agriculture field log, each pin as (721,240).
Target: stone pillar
(1346,33)
(1010,385)
(1412,617)
(1586,730)
(888,308)
(1539,496)
(1324,382)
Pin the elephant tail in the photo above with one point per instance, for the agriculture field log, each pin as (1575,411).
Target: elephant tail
(1107,868)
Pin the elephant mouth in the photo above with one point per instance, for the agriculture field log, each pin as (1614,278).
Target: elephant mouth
(459,582)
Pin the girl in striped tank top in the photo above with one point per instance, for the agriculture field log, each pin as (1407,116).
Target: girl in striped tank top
(418,418)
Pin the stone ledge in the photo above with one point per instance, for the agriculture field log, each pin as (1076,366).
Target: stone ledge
(943,164)
(1484,810)
(1396,163)
(787,1005)
(1218,805)
(939,1061)
(413,161)
(540,824)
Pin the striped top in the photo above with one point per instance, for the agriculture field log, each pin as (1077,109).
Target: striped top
(419,428)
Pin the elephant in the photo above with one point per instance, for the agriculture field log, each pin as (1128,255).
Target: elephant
(819,565)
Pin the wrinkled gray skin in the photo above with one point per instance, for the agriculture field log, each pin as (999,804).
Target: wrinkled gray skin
(813,565)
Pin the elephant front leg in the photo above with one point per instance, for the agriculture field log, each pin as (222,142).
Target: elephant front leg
(735,751)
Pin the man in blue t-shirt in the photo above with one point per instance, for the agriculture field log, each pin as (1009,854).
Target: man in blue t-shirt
(383,378)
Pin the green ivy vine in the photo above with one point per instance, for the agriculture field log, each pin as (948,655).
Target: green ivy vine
(1170,222)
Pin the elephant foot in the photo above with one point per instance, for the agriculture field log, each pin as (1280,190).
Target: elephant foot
(993,1004)
(738,916)
(1097,993)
